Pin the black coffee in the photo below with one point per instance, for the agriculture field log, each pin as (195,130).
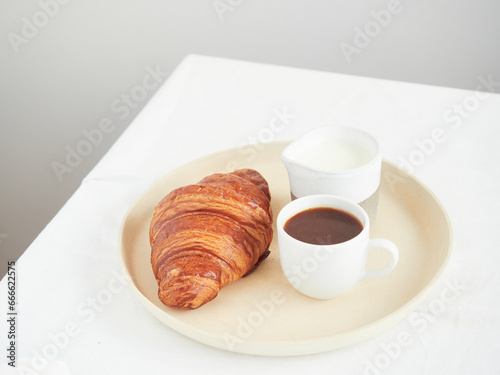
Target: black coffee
(323,226)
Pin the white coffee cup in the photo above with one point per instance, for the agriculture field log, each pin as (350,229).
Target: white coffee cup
(337,160)
(327,271)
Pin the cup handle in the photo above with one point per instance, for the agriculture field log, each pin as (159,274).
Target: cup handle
(389,246)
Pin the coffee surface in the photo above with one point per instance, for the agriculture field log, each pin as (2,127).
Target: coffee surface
(323,226)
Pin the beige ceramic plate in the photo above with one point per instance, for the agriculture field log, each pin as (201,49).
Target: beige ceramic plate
(262,313)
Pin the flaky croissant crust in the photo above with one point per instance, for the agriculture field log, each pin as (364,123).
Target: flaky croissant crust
(207,235)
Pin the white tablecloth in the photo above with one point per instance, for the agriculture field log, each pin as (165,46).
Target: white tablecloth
(75,315)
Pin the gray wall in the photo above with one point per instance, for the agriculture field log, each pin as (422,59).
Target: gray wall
(65,65)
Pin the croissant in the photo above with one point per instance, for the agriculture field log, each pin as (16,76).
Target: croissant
(207,235)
